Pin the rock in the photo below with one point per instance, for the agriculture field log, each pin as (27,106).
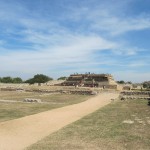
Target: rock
(93,93)
(128,121)
(32,100)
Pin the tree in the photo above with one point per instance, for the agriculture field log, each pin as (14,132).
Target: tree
(6,80)
(62,78)
(39,78)
(17,80)
(129,82)
(30,81)
(146,84)
(121,82)
(11,80)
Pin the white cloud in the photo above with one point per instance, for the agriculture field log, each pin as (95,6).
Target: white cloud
(70,40)
(2,42)
(78,50)
(123,50)
(116,26)
(109,18)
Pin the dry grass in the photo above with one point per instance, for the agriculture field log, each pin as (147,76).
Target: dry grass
(16,110)
(105,129)
(15,95)
(35,87)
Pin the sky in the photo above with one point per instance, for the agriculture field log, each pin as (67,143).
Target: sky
(61,37)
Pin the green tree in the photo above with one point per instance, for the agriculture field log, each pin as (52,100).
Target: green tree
(17,80)
(30,81)
(6,80)
(121,82)
(146,84)
(39,78)
(62,78)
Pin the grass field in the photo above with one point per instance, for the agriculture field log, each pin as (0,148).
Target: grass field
(19,109)
(121,125)
(17,96)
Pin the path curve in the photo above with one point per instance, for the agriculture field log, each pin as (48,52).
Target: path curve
(20,133)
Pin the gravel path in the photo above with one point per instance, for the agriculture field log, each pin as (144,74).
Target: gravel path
(20,133)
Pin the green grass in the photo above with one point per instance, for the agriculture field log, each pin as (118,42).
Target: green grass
(10,111)
(104,129)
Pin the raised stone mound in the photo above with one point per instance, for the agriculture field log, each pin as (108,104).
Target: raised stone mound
(31,100)
(104,81)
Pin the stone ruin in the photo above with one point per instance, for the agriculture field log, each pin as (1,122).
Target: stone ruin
(31,100)
(81,92)
(135,95)
(104,81)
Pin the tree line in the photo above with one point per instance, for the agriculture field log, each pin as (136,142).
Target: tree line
(11,80)
(38,78)
(123,82)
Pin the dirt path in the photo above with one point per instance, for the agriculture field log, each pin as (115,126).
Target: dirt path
(19,133)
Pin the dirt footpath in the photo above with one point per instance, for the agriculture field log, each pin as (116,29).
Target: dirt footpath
(19,133)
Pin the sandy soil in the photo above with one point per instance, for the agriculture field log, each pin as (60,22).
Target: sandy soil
(20,133)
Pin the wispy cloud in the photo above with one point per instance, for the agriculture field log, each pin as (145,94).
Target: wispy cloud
(2,42)
(116,26)
(78,49)
(79,36)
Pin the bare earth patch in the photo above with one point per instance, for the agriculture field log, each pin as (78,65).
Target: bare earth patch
(128,121)
(19,133)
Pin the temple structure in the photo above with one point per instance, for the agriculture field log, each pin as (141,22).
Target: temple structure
(91,80)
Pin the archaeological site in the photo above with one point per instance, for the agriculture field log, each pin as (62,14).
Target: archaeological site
(104,81)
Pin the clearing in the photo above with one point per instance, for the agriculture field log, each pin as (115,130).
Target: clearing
(19,133)
(121,125)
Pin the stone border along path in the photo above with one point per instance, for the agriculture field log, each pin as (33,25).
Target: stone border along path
(20,133)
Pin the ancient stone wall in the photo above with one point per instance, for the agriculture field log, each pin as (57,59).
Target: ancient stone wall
(135,95)
(91,80)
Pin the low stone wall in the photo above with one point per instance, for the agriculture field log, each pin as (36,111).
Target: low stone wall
(135,95)
(111,87)
(8,89)
(84,92)
(15,85)
(81,92)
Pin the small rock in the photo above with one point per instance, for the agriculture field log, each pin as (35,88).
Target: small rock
(128,121)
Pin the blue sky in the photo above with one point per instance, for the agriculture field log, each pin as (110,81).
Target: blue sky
(59,37)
